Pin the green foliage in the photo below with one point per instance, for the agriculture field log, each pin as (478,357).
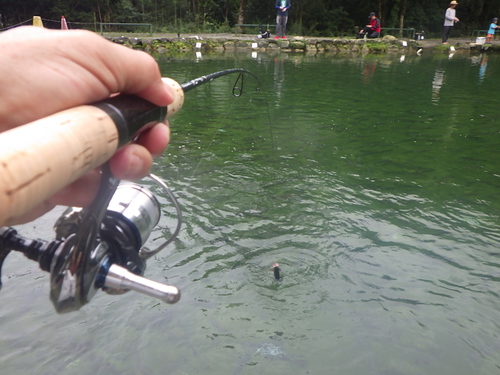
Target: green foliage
(376,46)
(311,17)
(128,12)
(442,48)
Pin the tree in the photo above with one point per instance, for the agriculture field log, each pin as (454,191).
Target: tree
(241,14)
(311,17)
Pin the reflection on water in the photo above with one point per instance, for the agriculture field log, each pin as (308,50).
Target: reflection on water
(279,78)
(377,192)
(437,82)
(484,65)
(368,71)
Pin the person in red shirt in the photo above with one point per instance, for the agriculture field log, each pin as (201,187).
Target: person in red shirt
(373,29)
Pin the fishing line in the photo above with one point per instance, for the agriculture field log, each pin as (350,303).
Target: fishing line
(212,140)
(240,89)
(237,91)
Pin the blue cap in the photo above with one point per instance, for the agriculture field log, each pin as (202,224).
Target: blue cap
(494,19)
(371,14)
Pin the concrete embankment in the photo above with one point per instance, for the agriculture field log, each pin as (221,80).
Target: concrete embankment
(226,42)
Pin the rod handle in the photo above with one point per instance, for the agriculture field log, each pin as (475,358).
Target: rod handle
(40,158)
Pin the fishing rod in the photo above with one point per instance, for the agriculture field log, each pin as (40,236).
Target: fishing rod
(40,158)
(100,246)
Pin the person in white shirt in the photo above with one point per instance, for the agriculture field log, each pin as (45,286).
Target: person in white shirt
(449,21)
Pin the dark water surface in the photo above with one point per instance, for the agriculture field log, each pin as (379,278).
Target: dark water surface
(375,183)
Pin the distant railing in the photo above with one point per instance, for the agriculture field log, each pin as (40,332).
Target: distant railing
(389,30)
(101,24)
(479,32)
(240,25)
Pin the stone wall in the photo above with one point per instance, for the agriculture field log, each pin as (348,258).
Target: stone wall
(295,44)
(215,43)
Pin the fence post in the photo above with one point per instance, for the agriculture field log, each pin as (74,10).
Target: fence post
(37,21)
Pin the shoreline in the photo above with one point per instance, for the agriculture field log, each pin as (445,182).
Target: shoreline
(182,43)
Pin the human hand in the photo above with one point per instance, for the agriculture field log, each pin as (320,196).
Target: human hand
(46,71)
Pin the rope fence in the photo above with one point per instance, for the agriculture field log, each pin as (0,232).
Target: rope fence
(100,27)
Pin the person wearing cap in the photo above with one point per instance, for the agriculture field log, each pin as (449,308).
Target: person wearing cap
(491,30)
(373,29)
(449,21)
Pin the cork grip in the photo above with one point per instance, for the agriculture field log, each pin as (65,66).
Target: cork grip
(39,159)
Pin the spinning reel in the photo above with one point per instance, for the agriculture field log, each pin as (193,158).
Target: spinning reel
(100,247)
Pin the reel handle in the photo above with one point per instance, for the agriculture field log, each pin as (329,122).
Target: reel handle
(122,279)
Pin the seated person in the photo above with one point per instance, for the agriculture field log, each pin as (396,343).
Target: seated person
(373,29)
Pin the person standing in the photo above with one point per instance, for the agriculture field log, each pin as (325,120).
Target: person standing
(282,18)
(491,30)
(449,21)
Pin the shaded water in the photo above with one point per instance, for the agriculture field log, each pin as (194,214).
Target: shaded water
(373,181)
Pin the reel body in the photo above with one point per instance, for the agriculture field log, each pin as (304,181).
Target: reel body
(99,247)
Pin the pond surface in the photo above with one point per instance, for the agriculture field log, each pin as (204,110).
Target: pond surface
(374,181)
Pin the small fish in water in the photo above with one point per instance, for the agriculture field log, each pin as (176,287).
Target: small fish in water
(277,271)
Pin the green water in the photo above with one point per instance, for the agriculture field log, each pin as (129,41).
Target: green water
(374,181)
